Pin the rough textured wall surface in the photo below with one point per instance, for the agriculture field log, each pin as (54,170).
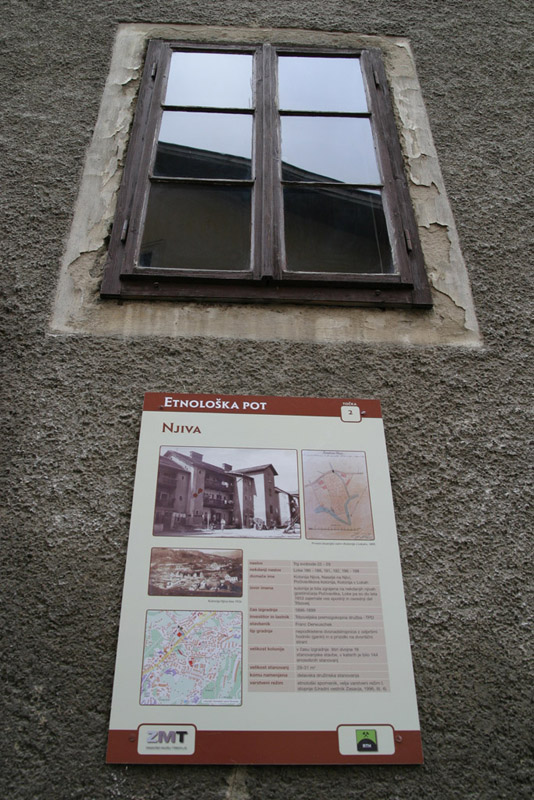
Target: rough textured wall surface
(458,421)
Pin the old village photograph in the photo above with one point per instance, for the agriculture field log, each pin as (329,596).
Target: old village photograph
(227,492)
(196,573)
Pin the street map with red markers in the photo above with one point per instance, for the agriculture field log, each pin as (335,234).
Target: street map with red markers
(192,658)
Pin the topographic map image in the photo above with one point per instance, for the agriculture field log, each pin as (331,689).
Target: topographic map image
(336,495)
(192,658)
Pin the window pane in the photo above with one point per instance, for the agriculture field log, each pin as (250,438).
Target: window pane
(321,84)
(203,145)
(197,227)
(335,229)
(217,80)
(328,149)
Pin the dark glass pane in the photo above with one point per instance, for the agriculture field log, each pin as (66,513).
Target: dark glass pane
(329,149)
(197,227)
(335,229)
(216,80)
(310,83)
(203,145)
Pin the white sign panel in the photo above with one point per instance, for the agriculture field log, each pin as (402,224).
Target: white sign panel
(263,617)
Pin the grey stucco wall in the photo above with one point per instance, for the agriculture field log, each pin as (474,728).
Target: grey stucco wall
(458,421)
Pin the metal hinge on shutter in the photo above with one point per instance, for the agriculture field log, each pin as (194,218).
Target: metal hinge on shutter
(408,240)
(154,70)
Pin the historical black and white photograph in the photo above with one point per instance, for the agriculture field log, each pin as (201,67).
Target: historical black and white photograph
(180,572)
(227,492)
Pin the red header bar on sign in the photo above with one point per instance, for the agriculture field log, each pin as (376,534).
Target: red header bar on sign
(258,404)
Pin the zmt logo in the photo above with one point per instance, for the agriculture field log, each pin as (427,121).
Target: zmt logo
(166,737)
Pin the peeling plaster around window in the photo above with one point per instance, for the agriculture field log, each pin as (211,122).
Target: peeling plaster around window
(78,308)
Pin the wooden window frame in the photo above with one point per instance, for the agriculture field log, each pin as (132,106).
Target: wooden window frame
(267,280)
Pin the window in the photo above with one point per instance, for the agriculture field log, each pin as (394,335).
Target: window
(265,174)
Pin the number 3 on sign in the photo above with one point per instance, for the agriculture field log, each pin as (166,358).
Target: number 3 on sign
(350,414)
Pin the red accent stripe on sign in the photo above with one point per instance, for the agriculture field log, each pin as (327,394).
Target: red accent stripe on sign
(264,747)
(258,404)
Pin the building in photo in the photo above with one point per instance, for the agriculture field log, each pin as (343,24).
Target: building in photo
(193,494)
(289,507)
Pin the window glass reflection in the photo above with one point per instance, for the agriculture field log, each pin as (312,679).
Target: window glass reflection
(217,80)
(328,148)
(203,145)
(321,84)
(197,228)
(335,229)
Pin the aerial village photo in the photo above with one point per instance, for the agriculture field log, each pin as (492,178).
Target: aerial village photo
(180,572)
(227,493)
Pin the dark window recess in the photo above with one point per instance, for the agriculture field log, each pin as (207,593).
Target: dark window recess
(265,174)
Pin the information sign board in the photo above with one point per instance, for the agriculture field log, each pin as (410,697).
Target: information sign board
(263,617)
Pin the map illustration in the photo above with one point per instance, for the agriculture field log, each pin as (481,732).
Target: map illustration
(192,658)
(337,504)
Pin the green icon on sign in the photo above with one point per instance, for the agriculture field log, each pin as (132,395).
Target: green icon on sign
(366,741)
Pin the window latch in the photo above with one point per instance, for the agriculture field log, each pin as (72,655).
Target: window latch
(408,240)
(377,79)
(154,69)
(124,229)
